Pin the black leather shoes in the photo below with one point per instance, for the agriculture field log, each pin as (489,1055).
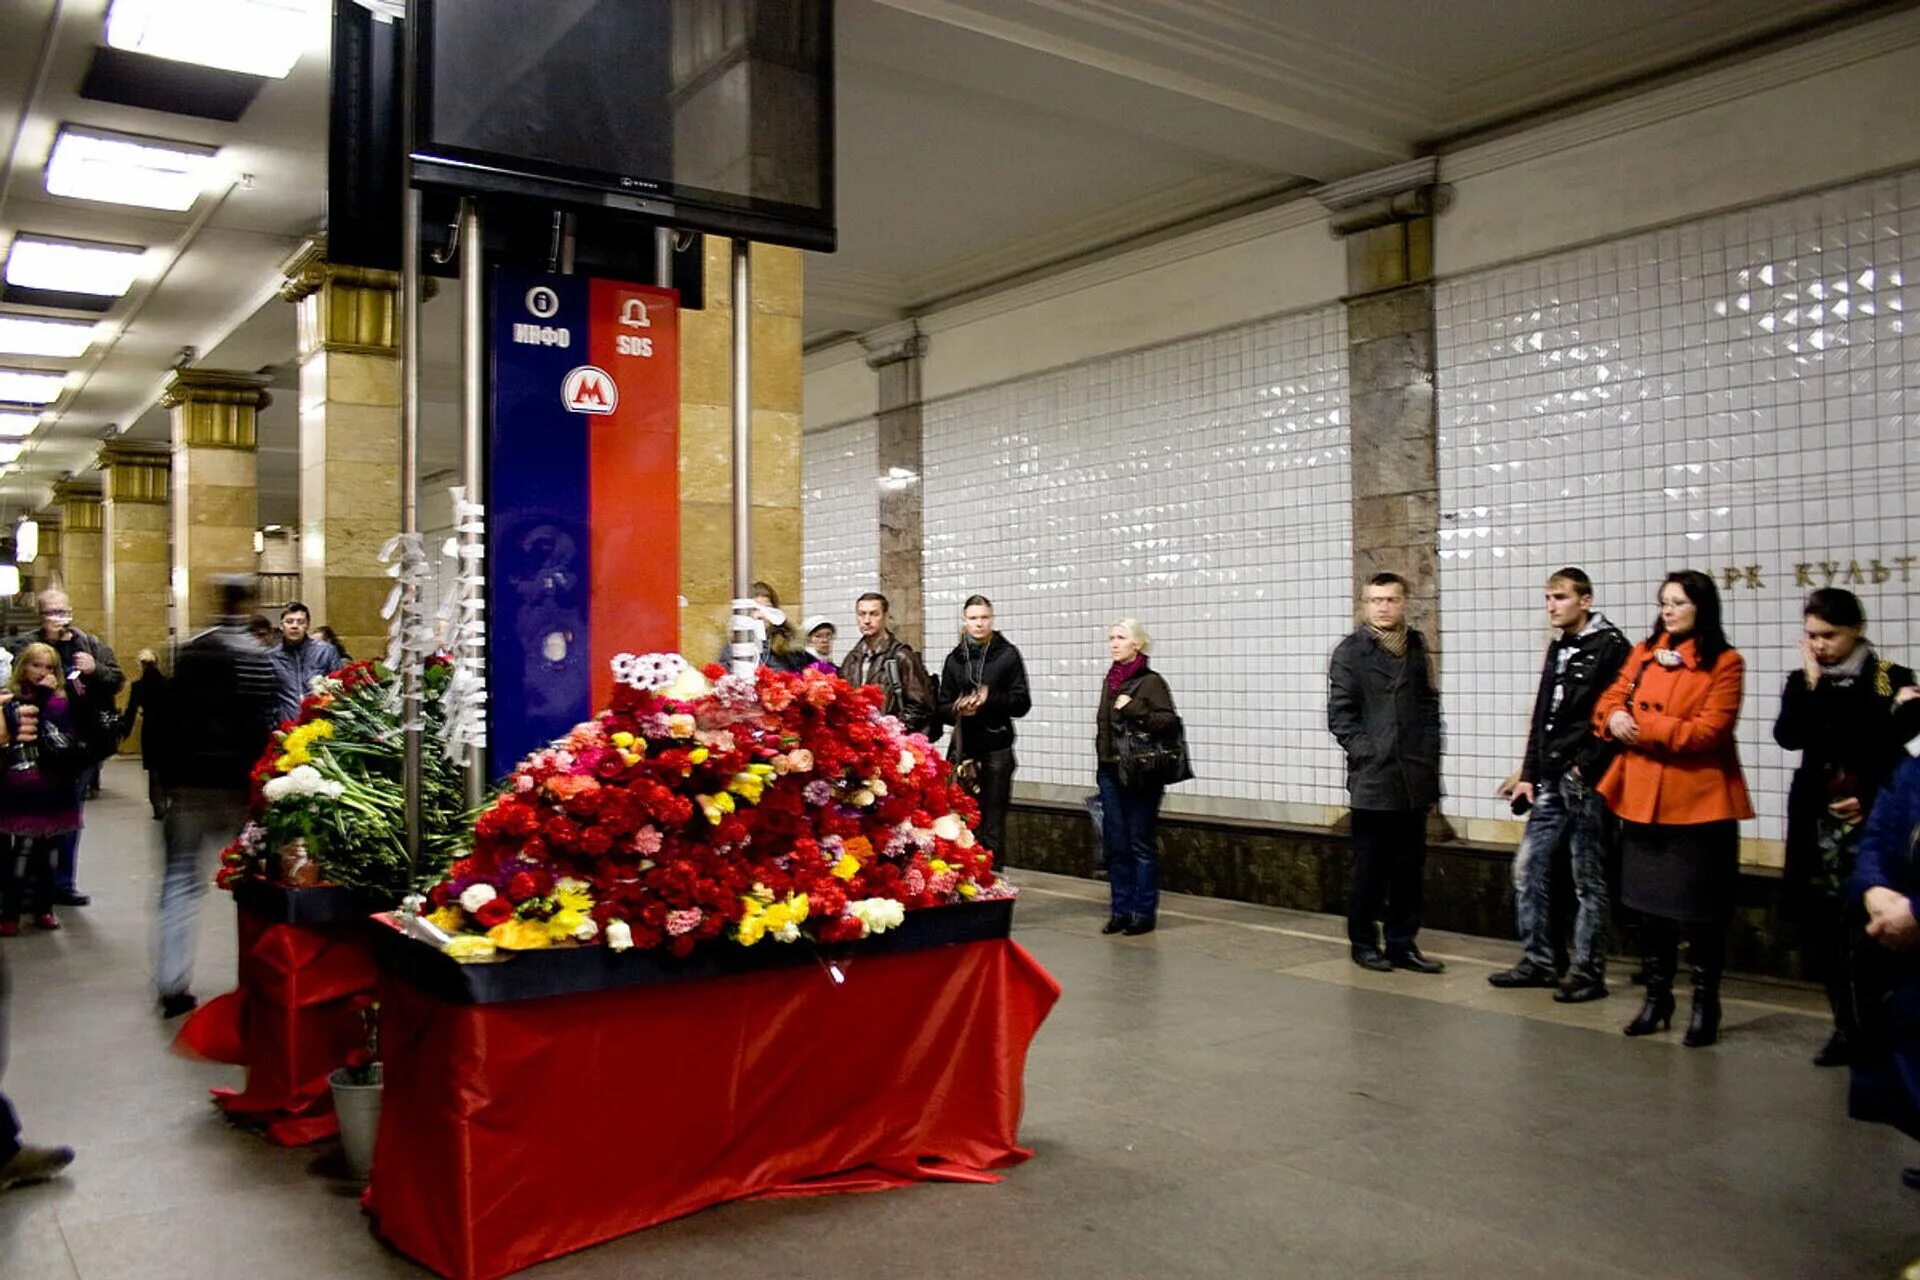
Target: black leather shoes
(1412,960)
(1114,924)
(1837,1052)
(1581,990)
(1370,958)
(1138,925)
(1522,975)
(70,898)
(174,1005)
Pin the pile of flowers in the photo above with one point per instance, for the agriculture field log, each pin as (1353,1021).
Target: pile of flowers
(705,806)
(327,806)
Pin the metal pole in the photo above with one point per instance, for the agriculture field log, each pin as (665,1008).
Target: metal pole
(663,257)
(473,421)
(410,771)
(742,424)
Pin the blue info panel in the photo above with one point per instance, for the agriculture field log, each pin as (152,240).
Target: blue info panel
(538,574)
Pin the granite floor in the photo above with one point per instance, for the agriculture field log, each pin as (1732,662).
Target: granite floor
(1226,1097)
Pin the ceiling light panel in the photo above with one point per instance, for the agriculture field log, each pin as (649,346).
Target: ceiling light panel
(73,266)
(32,336)
(259,37)
(10,451)
(15,425)
(88,164)
(30,386)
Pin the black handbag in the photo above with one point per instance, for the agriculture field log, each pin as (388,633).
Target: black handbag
(966,773)
(1149,760)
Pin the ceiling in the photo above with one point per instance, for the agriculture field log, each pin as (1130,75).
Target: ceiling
(978,140)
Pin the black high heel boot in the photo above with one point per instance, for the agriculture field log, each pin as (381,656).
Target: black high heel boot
(1706,955)
(1656,1012)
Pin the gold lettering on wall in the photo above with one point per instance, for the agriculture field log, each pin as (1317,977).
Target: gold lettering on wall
(1851,572)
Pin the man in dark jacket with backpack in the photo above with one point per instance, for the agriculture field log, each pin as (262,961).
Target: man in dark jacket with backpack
(881,658)
(983,690)
(1554,787)
(1385,712)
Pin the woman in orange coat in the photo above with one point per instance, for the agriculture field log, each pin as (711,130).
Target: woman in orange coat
(1677,790)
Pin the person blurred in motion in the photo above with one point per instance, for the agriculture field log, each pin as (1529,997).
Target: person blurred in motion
(1847,710)
(146,696)
(92,679)
(881,658)
(39,801)
(261,630)
(1554,788)
(1384,710)
(982,691)
(298,658)
(1677,789)
(220,709)
(1133,698)
(1885,1047)
(20,1163)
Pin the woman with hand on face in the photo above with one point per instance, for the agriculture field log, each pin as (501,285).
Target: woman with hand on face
(1679,793)
(38,799)
(1134,698)
(1847,711)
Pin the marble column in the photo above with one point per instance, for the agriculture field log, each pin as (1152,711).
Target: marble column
(216,503)
(706,444)
(349,439)
(82,559)
(135,533)
(1386,222)
(896,354)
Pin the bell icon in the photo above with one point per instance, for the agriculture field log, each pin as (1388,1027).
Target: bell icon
(633,315)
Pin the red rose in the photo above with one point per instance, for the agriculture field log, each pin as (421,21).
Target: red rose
(496,911)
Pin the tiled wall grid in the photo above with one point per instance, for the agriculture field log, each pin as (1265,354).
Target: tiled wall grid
(1201,487)
(1731,393)
(841,552)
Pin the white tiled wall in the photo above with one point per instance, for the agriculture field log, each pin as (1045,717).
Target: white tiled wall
(840,553)
(1201,486)
(1737,391)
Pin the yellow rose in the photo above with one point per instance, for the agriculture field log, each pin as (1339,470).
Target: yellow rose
(467,946)
(520,935)
(969,890)
(623,740)
(698,755)
(847,868)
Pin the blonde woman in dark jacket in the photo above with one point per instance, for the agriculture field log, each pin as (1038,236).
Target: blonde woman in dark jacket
(1133,698)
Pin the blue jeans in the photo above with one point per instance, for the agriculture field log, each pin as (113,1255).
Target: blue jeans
(199,823)
(66,859)
(1564,809)
(1128,828)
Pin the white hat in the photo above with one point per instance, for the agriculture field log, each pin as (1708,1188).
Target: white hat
(816,622)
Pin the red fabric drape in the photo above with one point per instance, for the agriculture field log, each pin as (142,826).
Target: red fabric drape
(514,1133)
(290,1023)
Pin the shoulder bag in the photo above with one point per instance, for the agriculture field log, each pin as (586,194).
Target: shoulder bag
(1146,760)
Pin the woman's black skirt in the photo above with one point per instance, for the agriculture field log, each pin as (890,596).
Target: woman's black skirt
(1682,873)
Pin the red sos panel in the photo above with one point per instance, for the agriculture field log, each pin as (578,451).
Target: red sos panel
(583,496)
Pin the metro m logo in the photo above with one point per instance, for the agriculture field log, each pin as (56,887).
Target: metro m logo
(588,389)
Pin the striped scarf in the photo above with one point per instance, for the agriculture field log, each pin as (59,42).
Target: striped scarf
(1394,641)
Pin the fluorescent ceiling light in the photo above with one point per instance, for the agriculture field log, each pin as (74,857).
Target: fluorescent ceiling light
(15,425)
(30,386)
(31,336)
(119,168)
(9,579)
(73,266)
(26,534)
(259,37)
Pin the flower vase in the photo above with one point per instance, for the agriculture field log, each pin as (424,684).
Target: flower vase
(358,1107)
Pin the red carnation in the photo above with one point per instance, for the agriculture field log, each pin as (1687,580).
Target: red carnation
(496,911)
(522,887)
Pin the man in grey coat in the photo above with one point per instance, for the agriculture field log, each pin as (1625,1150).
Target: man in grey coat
(1385,711)
(298,658)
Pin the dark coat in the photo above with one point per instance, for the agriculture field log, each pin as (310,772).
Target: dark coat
(148,695)
(1004,674)
(1150,708)
(1385,712)
(1887,1053)
(295,666)
(1850,736)
(220,710)
(896,668)
(91,699)
(1562,736)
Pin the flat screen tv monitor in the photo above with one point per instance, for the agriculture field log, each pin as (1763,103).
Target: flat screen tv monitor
(715,115)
